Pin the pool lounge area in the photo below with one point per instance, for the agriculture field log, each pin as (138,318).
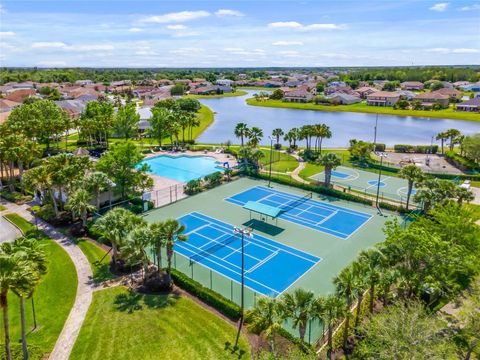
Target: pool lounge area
(182,168)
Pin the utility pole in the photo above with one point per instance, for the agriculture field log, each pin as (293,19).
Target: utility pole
(271,154)
(243,232)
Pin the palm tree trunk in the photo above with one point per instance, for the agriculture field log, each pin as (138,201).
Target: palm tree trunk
(4,304)
(169,257)
(372,293)
(301,331)
(410,185)
(24,336)
(329,341)
(357,312)
(346,326)
(321,140)
(159,258)
(55,207)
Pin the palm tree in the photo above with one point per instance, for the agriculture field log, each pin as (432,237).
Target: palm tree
(158,241)
(32,252)
(344,284)
(292,137)
(442,136)
(413,175)
(115,225)
(173,231)
(330,161)
(255,134)
(299,307)
(79,204)
(322,131)
(387,278)
(97,182)
(135,247)
(277,133)
(266,317)
(332,309)
(241,131)
(359,287)
(15,273)
(452,134)
(371,260)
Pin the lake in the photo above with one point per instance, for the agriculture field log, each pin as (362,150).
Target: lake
(344,125)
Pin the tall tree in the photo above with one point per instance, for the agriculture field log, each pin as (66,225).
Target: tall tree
(126,121)
(413,175)
(241,131)
(97,182)
(330,161)
(255,135)
(371,260)
(79,203)
(298,306)
(173,232)
(344,284)
(277,133)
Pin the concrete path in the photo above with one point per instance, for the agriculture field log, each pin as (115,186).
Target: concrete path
(8,231)
(71,328)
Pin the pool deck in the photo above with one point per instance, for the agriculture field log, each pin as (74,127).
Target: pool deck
(162,185)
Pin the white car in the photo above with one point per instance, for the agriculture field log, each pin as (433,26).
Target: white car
(466,184)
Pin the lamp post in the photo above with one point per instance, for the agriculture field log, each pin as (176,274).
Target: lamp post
(375,133)
(271,154)
(243,232)
(382,155)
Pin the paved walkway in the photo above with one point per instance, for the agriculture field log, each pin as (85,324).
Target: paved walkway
(8,231)
(85,287)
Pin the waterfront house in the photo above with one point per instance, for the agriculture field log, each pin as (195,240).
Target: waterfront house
(383,98)
(298,96)
(363,91)
(450,92)
(344,99)
(472,105)
(411,85)
(431,98)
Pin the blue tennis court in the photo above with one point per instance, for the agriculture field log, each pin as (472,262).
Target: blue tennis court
(318,215)
(270,267)
(340,174)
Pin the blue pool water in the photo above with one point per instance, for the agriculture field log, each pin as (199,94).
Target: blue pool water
(182,168)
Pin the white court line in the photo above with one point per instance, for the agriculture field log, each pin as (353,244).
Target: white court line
(327,217)
(256,241)
(256,266)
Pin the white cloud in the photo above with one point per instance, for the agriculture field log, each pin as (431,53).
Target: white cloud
(49,45)
(52,63)
(440,7)
(7,33)
(91,47)
(439,50)
(176,27)
(285,24)
(185,34)
(286,43)
(466,51)
(135,30)
(289,53)
(228,12)
(471,7)
(297,26)
(181,16)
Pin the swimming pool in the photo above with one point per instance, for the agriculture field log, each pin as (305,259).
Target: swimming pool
(182,168)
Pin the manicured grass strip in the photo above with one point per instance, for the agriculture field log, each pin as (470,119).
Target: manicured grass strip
(215,96)
(281,162)
(54,298)
(20,222)
(95,254)
(2,208)
(449,113)
(475,208)
(122,325)
(206,117)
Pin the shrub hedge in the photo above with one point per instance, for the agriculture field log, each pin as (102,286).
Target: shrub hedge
(418,149)
(222,304)
(467,164)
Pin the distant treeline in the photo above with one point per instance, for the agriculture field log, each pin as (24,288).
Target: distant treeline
(106,75)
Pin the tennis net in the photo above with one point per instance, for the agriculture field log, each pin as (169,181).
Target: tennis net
(294,203)
(212,249)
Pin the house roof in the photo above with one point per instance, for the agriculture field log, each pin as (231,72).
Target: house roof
(6,104)
(432,95)
(21,94)
(3,116)
(412,83)
(344,96)
(471,102)
(387,94)
(448,92)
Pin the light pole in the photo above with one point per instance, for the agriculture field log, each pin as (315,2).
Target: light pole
(430,151)
(243,232)
(271,154)
(382,155)
(375,133)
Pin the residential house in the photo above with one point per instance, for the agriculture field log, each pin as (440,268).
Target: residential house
(383,98)
(4,116)
(379,83)
(299,96)
(8,105)
(460,83)
(24,85)
(472,105)
(20,95)
(411,85)
(337,84)
(335,89)
(431,98)
(344,99)
(447,85)
(363,91)
(471,87)
(83,82)
(225,82)
(73,107)
(450,92)
(405,94)
(205,90)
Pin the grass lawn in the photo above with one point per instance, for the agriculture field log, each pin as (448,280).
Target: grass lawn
(228,94)
(363,108)
(281,162)
(54,298)
(312,168)
(2,208)
(475,208)
(94,254)
(20,222)
(122,325)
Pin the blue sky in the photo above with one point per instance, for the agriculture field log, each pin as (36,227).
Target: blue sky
(238,33)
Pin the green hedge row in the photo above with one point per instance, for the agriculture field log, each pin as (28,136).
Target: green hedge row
(468,164)
(210,297)
(418,149)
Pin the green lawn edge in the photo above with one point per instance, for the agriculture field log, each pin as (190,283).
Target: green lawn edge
(98,259)
(19,222)
(216,96)
(125,325)
(363,108)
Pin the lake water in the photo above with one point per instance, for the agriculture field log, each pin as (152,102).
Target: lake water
(344,125)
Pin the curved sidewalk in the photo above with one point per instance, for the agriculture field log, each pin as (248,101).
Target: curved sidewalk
(68,336)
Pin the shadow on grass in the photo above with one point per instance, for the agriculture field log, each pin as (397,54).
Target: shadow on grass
(102,272)
(133,301)
(231,348)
